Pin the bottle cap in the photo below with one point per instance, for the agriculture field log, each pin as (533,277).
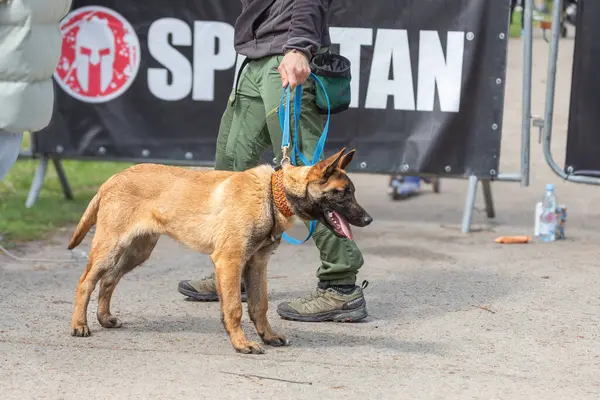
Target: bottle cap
(549,186)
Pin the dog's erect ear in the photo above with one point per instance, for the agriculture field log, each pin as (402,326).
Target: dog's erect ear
(346,159)
(323,170)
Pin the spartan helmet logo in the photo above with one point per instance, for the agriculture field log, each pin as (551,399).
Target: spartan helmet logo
(94,55)
(100,54)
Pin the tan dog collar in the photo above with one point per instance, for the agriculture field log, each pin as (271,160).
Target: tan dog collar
(281,201)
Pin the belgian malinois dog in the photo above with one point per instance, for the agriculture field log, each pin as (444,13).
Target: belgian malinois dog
(235,217)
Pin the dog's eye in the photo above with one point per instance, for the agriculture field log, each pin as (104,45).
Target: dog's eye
(344,192)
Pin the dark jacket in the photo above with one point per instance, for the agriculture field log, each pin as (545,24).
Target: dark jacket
(271,27)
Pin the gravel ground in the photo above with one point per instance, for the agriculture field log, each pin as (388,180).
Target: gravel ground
(452,316)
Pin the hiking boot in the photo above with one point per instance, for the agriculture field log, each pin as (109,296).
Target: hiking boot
(204,289)
(329,303)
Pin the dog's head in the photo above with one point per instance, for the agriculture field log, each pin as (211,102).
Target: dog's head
(324,192)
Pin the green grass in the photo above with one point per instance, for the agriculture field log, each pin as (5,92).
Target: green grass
(52,210)
(515,26)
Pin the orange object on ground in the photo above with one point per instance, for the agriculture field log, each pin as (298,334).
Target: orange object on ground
(513,239)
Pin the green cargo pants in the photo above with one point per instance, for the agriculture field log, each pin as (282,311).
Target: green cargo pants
(250,124)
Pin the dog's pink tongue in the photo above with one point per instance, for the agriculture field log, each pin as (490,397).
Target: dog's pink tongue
(344,225)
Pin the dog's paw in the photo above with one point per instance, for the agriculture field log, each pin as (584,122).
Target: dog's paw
(110,321)
(275,339)
(80,331)
(250,348)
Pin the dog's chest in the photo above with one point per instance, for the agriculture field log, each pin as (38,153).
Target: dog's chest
(270,244)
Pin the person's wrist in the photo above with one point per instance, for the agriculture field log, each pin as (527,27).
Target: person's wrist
(296,51)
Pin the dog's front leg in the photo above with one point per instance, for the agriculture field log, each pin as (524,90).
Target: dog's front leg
(227,272)
(255,276)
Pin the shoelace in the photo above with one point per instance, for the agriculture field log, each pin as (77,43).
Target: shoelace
(321,292)
(211,276)
(312,296)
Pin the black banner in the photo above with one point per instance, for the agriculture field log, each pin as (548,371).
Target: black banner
(149,80)
(583,139)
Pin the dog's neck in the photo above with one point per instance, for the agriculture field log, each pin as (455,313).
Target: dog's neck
(281,201)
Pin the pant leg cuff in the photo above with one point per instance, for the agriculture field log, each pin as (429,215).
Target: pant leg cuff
(343,281)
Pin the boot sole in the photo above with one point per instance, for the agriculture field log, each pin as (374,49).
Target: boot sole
(335,316)
(203,297)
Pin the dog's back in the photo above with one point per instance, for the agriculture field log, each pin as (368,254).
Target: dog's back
(177,201)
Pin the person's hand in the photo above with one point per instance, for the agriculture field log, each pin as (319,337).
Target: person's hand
(293,69)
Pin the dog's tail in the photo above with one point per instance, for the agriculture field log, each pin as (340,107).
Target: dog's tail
(88,219)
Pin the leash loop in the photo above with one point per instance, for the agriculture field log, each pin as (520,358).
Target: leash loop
(284,122)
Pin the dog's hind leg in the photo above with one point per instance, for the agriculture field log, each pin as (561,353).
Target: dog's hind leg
(136,252)
(228,267)
(101,259)
(255,276)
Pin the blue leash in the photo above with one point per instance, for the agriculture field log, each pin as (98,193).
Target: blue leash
(284,119)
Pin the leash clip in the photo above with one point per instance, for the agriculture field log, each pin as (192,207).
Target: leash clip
(284,157)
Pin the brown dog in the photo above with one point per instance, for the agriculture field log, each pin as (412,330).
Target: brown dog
(235,217)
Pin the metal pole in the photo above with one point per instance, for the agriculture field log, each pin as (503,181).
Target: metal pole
(38,181)
(469,204)
(551,76)
(62,177)
(509,177)
(527,72)
(488,198)
(550,92)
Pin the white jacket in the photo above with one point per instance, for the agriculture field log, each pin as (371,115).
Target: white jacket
(30,47)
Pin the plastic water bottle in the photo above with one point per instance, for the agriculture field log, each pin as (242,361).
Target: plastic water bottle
(548,219)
